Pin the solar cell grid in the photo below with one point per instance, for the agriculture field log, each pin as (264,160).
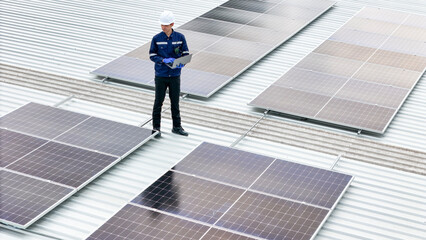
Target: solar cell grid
(345,50)
(410,32)
(63,164)
(297,102)
(262,35)
(406,46)
(329,64)
(416,21)
(224,165)
(128,68)
(15,145)
(273,218)
(141,52)
(210,26)
(371,26)
(310,81)
(273,22)
(41,120)
(303,183)
(295,12)
(189,197)
(399,60)
(239,48)
(382,14)
(361,38)
(25,199)
(106,136)
(219,64)
(201,83)
(249,5)
(373,93)
(198,40)
(231,15)
(134,222)
(388,75)
(350,113)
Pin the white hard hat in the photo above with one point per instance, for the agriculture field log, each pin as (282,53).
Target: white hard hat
(166,18)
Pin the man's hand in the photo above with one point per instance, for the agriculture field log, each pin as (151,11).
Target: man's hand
(180,66)
(168,60)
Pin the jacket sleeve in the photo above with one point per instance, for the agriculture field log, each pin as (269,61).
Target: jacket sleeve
(153,53)
(185,50)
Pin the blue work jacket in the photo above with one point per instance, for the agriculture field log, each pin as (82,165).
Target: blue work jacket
(167,47)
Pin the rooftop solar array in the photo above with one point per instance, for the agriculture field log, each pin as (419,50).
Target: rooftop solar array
(224,41)
(47,154)
(359,77)
(225,193)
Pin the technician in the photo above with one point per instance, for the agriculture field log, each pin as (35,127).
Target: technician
(165,48)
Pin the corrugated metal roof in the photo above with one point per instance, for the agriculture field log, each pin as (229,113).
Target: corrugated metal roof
(70,38)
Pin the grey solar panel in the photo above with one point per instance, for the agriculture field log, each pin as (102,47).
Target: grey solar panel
(273,218)
(296,102)
(373,93)
(189,197)
(223,164)
(106,136)
(40,120)
(128,68)
(252,26)
(14,145)
(25,199)
(349,113)
(237,194)
(311,81)
(231,15)
(379,55)
(52,165)
(134,222)
(63,164)
(303,183)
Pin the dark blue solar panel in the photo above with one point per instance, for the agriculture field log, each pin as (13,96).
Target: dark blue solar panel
(189,197)
(63,164)
(15,145)
(40,120)
(224,164)
(303,183)
(25,199)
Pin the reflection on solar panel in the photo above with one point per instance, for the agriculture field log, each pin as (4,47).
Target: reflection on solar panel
(63,154)
(25,199)
(274,199)
(359,77)
(225,41)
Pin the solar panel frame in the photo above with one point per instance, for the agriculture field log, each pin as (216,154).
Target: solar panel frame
(275,44)
(387,16)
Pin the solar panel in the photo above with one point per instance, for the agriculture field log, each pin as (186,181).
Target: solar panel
(273,218)
(133,222)
(186,196)
(237,194)
(25,199)
(41,120)
(106,136)
(224,164)
(15,145)
(303,183)
(224,41)
(78,149)
(359,77)
(63,164)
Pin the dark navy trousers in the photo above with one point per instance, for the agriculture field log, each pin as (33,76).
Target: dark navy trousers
(161,85)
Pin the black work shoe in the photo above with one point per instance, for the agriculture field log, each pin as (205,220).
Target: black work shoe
(180,131)
(156,130)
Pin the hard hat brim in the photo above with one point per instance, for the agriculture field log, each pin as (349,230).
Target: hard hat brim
(165,23)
